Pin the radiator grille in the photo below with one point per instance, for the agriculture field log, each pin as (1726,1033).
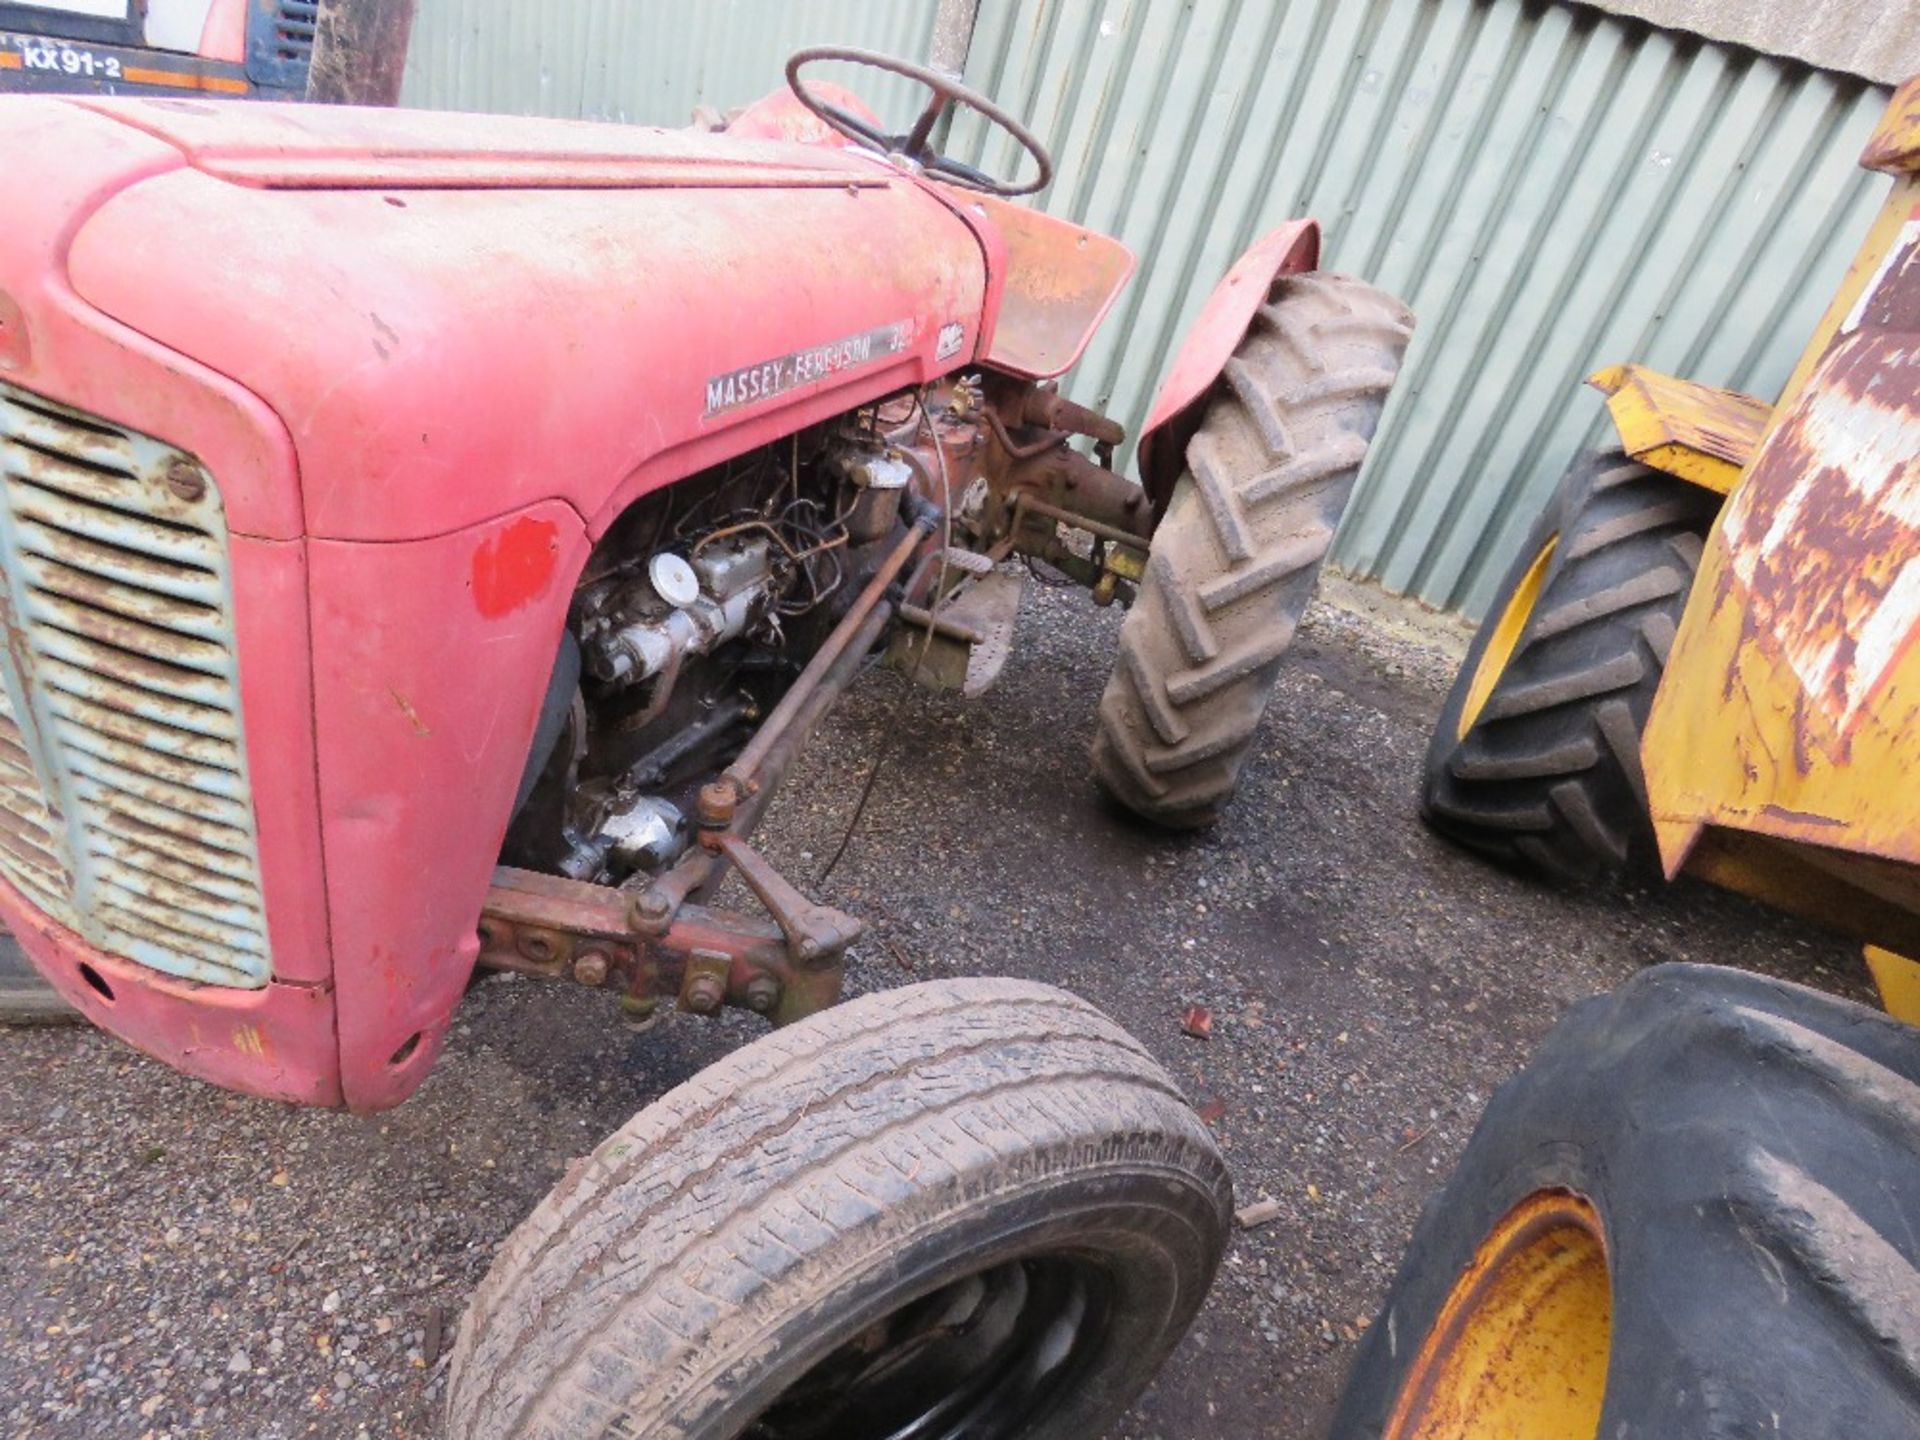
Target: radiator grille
(280,41)
(29,852)
(122,762)
(295,25)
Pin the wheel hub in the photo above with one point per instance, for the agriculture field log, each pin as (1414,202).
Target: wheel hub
(980,1357)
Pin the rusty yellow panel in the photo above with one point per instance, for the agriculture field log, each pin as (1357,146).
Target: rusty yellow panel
(1703,435)
(1881,237)
(1899,981)
(1895,144)
(1790,711)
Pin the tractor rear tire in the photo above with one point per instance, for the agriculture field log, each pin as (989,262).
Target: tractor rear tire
(26,999)
(1695,1216)
(1235,558)
(1535,760)
(964,1207)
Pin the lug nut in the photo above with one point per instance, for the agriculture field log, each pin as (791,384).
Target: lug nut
(590,968)
(714,807)
(703,994)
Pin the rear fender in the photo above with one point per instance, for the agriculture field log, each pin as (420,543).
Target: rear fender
(1058,281)
(1210,343)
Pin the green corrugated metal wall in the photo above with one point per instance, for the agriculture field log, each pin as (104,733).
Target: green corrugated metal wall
(1552,189)
(645,61)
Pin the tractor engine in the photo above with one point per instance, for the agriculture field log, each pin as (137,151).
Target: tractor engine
(694,615)
(711,628)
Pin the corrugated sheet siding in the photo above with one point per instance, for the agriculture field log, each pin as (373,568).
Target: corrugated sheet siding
(1550,188)
(644,61)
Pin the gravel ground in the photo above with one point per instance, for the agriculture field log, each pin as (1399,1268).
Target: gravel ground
(181,1262)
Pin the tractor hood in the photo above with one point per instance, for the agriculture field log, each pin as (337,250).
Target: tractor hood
(311,147)
(455,317)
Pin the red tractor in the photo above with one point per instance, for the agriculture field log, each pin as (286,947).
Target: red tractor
(227,48)
(446,576)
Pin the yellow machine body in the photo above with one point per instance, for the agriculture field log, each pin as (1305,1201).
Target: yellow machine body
(1782,756)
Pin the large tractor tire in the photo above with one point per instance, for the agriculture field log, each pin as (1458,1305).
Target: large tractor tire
(26,999)
(966,1208)
(1535,760)
(1696,1216)
(1235,558)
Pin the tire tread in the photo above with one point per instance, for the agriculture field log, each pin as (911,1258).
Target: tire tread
(1749,1149)
(658,1253)
(1559,733)
(1234,560)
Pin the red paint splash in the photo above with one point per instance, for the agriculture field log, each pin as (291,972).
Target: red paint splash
(514,565)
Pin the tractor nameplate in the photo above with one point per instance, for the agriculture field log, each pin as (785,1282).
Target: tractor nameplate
(767,378)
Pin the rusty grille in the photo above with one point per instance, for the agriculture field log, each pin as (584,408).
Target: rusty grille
(121,754)
(29,851)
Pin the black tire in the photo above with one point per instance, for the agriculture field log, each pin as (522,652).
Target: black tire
(942,1149)
(1545,776)
(1752,1151)
(1235,558)
(26,999)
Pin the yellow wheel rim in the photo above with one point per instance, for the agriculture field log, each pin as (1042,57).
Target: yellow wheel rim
(1504,631)
(1520,1350)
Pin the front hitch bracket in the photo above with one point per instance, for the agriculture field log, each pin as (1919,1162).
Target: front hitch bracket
(560,929)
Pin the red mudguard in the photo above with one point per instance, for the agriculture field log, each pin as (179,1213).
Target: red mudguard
(1210,343)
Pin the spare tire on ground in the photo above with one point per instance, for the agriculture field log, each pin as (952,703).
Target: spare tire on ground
(1695,1216)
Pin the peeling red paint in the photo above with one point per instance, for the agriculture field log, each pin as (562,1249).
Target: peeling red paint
(514,566)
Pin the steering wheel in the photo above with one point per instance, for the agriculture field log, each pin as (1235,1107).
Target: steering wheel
(914,148)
